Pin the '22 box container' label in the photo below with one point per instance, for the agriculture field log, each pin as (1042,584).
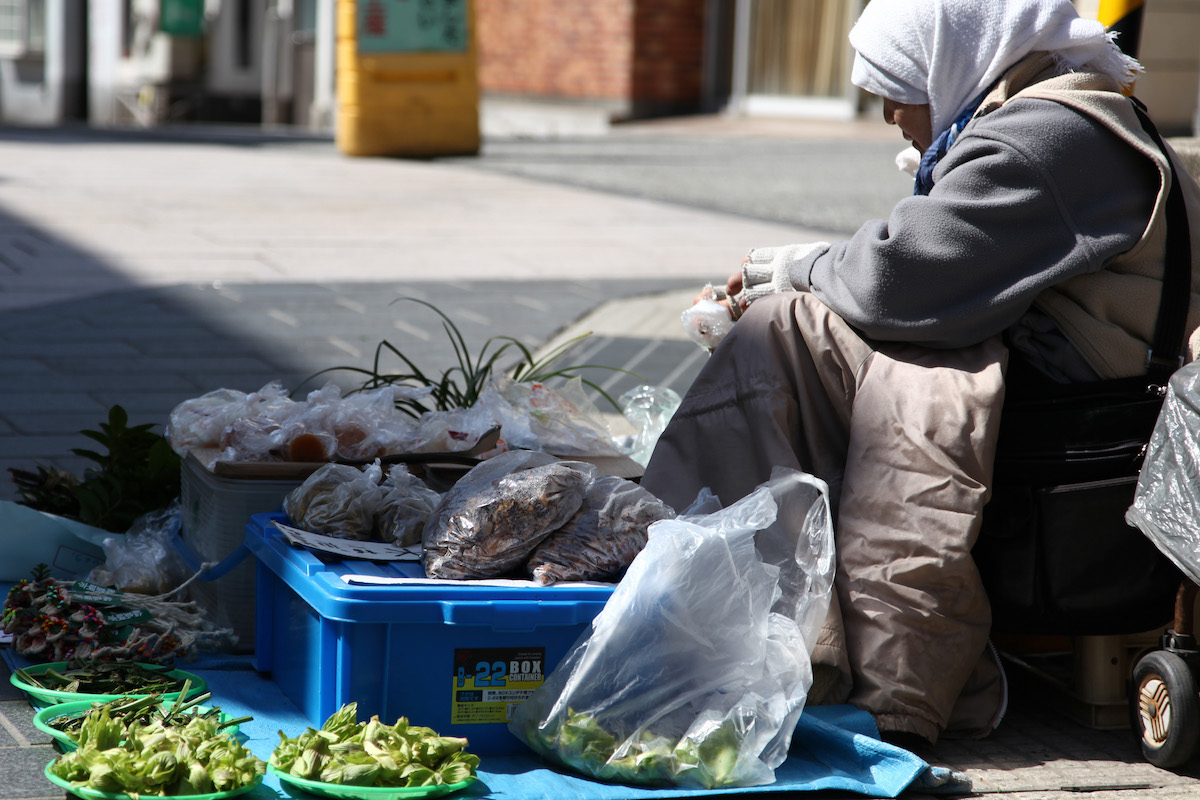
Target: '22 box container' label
(489,683)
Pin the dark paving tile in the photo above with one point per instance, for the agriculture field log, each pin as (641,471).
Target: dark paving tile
(19,715)
(22,773)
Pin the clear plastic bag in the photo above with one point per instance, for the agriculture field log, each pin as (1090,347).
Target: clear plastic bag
(360,427)
(697,668)
(489,522)
(603,537)
(649,409)
(560,420)
(338,500)
(708,322)
(457,430)
(406,505)
(324,426)
(143,559)
(202,421)
(1166,505)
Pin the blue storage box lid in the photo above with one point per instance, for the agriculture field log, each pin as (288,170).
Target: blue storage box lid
(320,582)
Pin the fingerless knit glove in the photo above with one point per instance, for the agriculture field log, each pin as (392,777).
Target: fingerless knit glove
(767,269)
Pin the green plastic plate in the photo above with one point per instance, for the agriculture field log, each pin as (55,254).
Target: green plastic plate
(77,708)
(47,697)
(368,792)
(96,794)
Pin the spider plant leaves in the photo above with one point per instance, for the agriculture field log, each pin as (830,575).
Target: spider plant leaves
(461,384)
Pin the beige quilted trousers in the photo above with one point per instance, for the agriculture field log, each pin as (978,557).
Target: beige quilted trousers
(905,437)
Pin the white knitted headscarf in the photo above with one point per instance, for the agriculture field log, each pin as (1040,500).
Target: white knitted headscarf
(946,52)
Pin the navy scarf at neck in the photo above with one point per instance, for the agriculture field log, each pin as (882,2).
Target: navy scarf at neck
(930,158)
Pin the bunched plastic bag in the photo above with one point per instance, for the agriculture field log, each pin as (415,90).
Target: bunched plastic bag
(338,500)
(406,506)
(698,667)
(1166,505)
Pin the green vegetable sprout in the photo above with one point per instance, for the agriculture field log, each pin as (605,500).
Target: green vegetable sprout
(155,757)
(371,753)
(646,758)
(123,711)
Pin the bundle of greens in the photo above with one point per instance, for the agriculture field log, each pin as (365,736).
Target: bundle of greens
(155,757)
(353,753)
(108,678)
(145,710)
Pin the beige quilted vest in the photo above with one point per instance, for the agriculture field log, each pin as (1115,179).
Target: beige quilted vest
(1104,313)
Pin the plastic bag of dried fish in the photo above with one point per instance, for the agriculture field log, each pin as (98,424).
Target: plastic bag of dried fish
(601,539)
(490,521)
(337,500)
(406,505)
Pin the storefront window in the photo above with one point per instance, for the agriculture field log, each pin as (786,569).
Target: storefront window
(22,28)
(36,22)
(798,47)
(306,16)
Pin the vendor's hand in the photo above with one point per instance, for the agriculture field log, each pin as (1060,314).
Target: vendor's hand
(733,286)
(707,294)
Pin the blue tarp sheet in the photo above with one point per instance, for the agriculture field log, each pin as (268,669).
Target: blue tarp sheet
(833,748)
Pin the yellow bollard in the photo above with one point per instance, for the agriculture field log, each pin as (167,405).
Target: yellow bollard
(407,81)
(1125,18)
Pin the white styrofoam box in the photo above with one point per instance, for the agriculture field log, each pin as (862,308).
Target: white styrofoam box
(215,512)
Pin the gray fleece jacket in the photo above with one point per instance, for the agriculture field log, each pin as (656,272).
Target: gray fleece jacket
(1033,193)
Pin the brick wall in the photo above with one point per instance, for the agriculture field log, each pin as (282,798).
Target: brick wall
(637,53)
(668,54)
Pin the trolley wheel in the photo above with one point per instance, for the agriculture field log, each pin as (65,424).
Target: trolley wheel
(1166,708)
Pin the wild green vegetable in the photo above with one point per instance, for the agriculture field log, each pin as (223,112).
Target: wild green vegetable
(646,758)
(154,758)
(147,709)
(371,753)
(107,677)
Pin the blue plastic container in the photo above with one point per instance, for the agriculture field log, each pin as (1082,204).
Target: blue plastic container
(457,658)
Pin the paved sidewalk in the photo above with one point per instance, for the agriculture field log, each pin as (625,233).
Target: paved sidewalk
(147,268)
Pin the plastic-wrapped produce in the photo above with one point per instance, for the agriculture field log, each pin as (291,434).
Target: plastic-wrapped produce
(407,504)
(602,538)
(492,519)
(707,323)
(338,500)
(1166,506)
(696,670)
(202,421)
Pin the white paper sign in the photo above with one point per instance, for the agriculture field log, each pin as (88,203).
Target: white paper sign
(381,580)
(348,548)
